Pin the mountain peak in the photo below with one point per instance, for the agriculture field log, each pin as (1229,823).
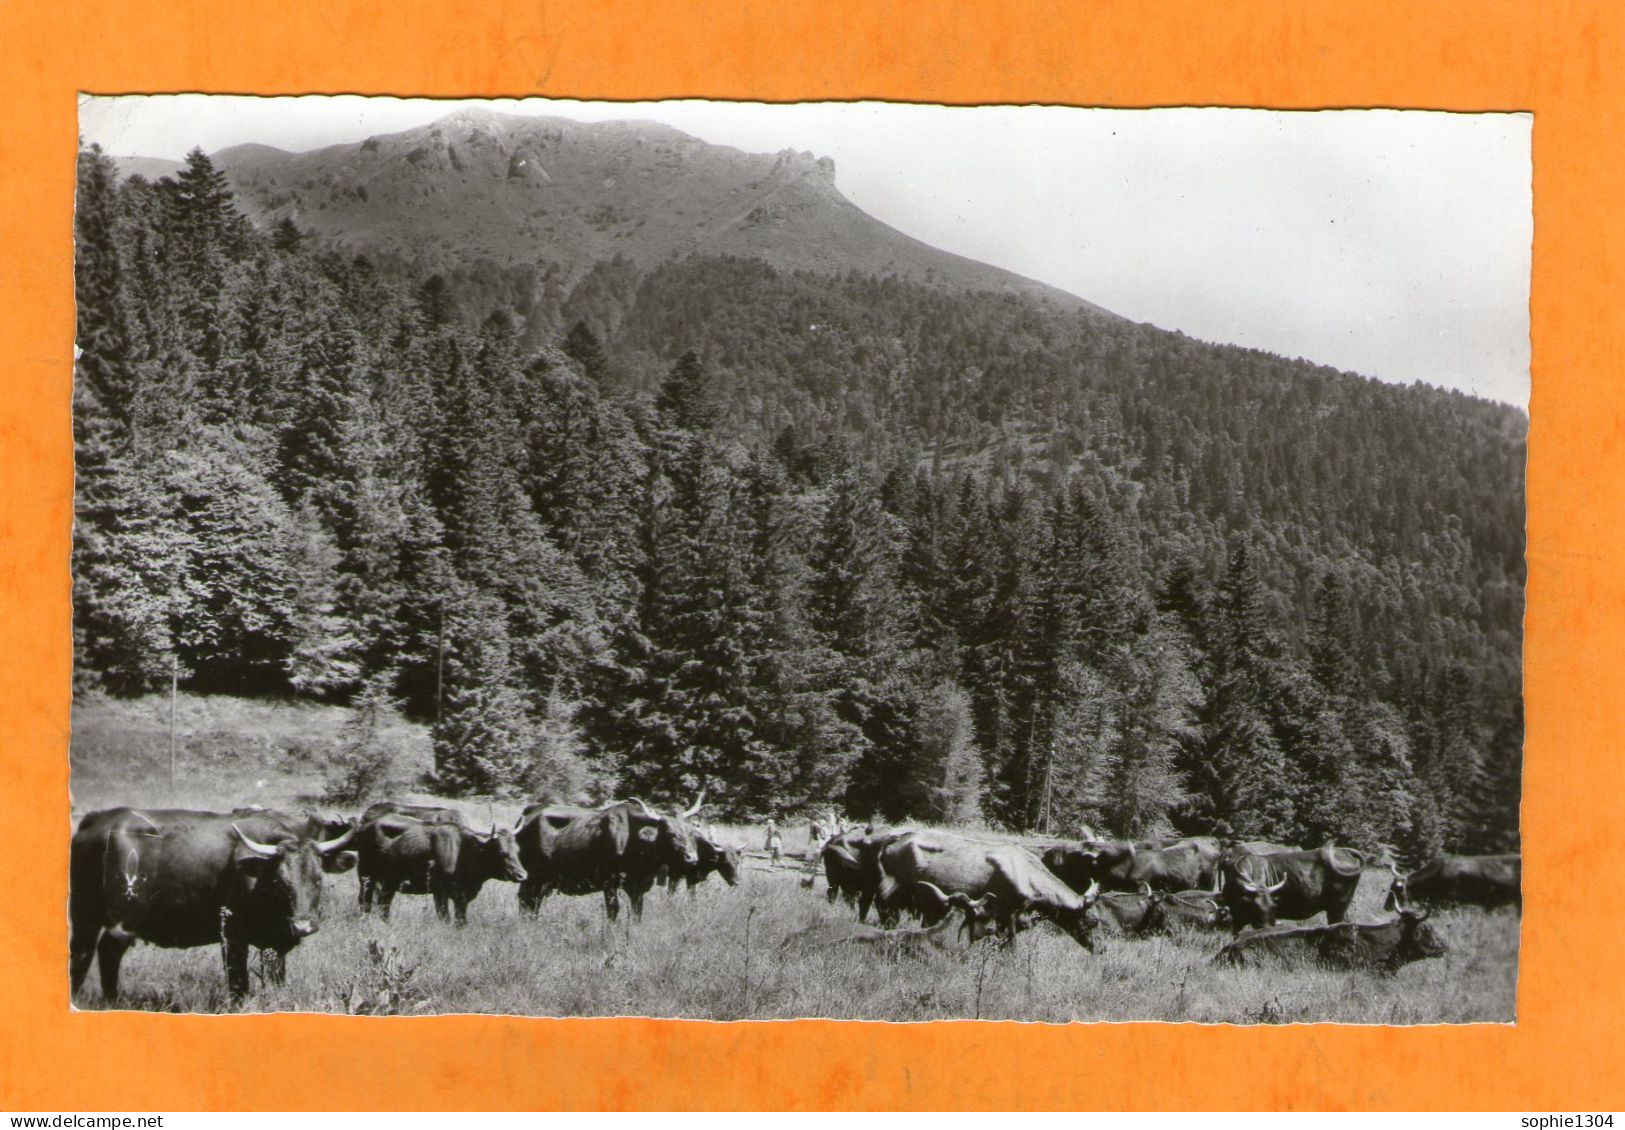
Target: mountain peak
(482,191)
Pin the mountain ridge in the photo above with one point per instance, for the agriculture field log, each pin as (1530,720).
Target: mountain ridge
(480,189)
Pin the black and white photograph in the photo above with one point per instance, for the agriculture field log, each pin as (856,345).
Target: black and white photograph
(848,560)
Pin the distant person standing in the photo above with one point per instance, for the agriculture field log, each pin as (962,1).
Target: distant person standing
(775,842)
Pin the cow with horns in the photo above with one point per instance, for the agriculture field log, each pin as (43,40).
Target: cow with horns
(914,941)
(712,856)
(851,862)
(1018,882)
(447,861)
(381,824)
(1486,881)
(1384,946)
(178,879)
(1162,865)
(579,851)
(1259,889)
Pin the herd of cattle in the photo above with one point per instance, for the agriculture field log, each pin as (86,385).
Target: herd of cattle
(253,877)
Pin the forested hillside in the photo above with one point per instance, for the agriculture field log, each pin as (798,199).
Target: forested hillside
(796,538)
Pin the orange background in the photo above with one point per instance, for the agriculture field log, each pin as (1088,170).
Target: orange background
(1560,60)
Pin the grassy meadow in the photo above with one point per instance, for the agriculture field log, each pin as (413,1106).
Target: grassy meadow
(715,956)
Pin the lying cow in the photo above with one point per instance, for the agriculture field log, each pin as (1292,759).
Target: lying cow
(976,922)
(1201,909)
(445,861)
(1132,914)
(1488,881)
(1344,945)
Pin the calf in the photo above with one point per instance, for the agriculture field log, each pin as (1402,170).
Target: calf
(445,861)
(1345,945)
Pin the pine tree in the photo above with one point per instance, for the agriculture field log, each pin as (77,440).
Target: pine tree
(946,782)
(687,400)
(581,345)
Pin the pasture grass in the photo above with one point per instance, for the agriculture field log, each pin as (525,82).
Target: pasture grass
(719,954)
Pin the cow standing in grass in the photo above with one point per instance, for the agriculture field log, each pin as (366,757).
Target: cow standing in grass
(1176,865)
(852,866)
(1486,881)
(1015,878)
(178,879)
(580,851)
(1260,889)
(382,825)
(447,862)
(712,856)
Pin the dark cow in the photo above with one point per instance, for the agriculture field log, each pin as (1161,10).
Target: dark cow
(1120,866)
(380,824)
(1195,908)
(852,866)
(1014,877)
(976,922)
(1200,908)
(1488,881)
(448,862)
(1259,889)
(579,851)
(177,879)
(1345,945)
(1133,914)
(713,856)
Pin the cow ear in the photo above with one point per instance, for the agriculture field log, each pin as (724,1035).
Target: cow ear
(648,833)
(256,865)
(344,861)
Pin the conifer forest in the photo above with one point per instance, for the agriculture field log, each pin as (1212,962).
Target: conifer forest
(804,541)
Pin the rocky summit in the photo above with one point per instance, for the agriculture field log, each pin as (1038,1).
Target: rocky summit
(482,191)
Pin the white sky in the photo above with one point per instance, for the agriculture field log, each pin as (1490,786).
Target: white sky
(1391,243)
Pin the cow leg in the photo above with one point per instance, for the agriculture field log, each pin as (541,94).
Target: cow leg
(612,901)
(887,901)
(236,955)
(386,897)
(531,893)
(364,894)
(109,953)
(81,949)
(461,905)
(1007,936)
(442,906)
